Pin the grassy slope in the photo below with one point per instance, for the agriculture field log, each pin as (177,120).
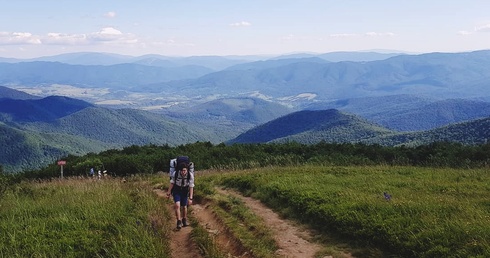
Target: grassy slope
(432,212)
(83,218)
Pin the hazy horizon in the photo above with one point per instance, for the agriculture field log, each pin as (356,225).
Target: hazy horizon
(32,29)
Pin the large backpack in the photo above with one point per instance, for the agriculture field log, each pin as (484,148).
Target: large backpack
(177,164)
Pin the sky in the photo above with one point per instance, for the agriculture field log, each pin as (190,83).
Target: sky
(35,28)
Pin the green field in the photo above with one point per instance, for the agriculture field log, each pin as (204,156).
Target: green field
(433,212)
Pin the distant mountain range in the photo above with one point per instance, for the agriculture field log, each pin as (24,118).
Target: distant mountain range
(89,102)
(410,113)
(156,82)
(211,62)
(37,131)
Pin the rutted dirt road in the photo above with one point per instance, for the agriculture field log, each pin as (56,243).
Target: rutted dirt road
(293,241)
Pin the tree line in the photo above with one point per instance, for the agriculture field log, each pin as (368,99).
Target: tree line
(154,158)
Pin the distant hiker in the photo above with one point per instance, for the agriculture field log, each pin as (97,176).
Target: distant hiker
(99,174)
(91,172)
(181,187)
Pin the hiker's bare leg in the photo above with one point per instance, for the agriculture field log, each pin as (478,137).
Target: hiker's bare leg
(177,210)
(185,212)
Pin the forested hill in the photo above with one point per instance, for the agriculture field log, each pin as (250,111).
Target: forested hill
(45,109)
(311,126)
(33,144)
(408,112)
(473,132)
(9,93)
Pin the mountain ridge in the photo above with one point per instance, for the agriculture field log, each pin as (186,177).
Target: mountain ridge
(340,127)
(307,123)
(375,101)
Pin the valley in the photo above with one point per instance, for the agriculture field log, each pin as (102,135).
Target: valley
(97,102)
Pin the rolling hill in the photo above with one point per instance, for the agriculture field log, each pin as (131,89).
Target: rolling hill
(55,126)
(45,109)
(436,75)
(408,112)
(32,144)
(253,111)
(6,92)
(312,126)
(118,76)
(471,132)
(385,99)
(228,117)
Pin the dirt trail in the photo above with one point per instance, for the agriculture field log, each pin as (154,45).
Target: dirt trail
(293,241)
(181,244)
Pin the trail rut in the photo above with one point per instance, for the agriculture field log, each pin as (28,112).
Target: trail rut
(293,241)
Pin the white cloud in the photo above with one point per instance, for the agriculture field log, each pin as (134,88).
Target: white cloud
(463,32)
(483,28)
(343,35)
(368,34)
(105,35)
(110,34)
(109,31)
(241,24)
(379,34)
(65,39)
(110,14)
(18,38)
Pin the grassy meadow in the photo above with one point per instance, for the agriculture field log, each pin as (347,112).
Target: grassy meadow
(83,218)
(431,213)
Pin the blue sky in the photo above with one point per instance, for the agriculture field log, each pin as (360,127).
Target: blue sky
(33,28)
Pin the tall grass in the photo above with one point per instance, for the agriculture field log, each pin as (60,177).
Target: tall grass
(82,218)
(431,213)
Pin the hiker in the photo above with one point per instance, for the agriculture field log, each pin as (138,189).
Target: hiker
(91,172)
(181,188)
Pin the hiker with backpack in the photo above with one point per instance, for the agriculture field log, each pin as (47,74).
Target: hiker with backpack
(181,187)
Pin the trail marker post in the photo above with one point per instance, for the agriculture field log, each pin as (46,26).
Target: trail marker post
(61,163)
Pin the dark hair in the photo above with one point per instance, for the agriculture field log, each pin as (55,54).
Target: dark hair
(182,165)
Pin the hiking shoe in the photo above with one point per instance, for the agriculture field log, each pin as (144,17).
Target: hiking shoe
(184,222)
(179,224)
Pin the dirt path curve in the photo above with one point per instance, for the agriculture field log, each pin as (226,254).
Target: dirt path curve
(292,241)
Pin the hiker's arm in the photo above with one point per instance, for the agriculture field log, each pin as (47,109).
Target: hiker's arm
(172,175)
(170,189)
(191,193)
(191,183)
